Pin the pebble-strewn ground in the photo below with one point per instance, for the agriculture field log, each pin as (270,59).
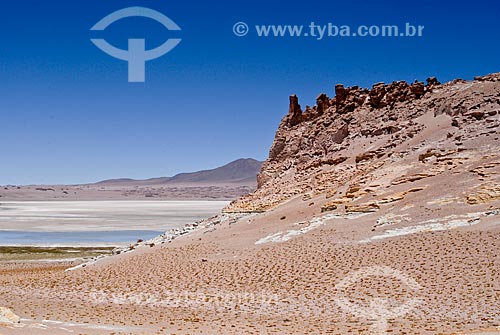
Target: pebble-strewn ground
(286,288)
(401,236)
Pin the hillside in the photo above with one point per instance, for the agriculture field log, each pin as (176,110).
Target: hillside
(225,182)
(239,171)
(377,211)
(347,149)
(243,170)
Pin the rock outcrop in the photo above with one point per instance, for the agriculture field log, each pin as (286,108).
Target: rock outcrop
(294,112)
(486,194)
(368,129)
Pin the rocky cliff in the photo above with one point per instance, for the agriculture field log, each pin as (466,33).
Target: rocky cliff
(334,149)
(388,199)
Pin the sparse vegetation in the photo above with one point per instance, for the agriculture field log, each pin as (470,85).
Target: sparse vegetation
(23,253)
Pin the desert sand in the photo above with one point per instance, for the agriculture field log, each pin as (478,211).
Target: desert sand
(393,231)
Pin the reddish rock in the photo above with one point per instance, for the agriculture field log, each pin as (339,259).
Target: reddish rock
(323,103)
(341,134)
(417,89)
(303,159)
(432,82)
(478,115)
(294,111)
(340,94)
(377,94)
(490,77)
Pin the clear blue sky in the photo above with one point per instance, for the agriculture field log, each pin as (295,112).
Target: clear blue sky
(68,114)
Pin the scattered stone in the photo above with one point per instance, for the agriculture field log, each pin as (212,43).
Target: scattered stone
(168,236)
(486,194)
(399,195)
(363,208)
(329,206)
(412,178)
(369,155)
(339,136)
(478,115)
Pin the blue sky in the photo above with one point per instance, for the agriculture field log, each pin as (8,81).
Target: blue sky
(68,114)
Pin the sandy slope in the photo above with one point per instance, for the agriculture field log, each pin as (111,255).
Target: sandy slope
(412,237)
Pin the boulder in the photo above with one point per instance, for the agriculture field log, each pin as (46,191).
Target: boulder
(432,82)
(417,89)
(339,136)
(329,206)
(363,208)
(377,94)
(323,103)
(340,94)
(366,156)
(478,115)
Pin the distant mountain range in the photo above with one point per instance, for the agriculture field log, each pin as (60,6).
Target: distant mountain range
(227,182)
(239,172)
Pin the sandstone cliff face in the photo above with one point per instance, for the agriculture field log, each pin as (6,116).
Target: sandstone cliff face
(331,150)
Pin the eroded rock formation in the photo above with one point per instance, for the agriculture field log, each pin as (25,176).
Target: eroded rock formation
(367,128)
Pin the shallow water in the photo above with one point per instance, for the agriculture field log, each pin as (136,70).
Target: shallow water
(101,238)
(96,222)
